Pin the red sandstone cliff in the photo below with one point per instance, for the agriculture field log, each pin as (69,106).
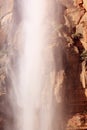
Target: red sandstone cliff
(67,29)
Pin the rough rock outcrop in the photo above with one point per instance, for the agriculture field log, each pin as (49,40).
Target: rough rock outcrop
(75,83)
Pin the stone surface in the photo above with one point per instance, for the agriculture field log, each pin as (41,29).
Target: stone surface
(5,7)
(6,22)
(74,15)
(77,122)
(84,18)
(85,4)
(2,37)
(77,2)
(59,85)
(82,28)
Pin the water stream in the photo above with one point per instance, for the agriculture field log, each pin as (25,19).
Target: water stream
(33,91)
(34,114)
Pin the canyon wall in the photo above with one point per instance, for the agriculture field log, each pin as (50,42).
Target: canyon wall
(67,39)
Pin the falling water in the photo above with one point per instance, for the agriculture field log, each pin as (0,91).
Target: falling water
(33,92)
(33,86)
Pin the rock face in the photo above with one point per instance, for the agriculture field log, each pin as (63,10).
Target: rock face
(75,83)
(74,15)
(85,4)
(78,2)
(5,7)
(5,19)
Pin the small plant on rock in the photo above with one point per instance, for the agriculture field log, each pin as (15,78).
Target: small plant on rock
(84,55)
(77,36)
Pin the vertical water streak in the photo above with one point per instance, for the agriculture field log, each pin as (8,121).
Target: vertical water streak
(31,95)
(33,113)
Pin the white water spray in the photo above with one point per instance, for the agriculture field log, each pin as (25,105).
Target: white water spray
(34,114)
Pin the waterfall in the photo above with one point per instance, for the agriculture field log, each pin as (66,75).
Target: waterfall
(32,87)
(31,94)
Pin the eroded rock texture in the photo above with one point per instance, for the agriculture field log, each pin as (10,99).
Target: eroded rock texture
(75,84)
